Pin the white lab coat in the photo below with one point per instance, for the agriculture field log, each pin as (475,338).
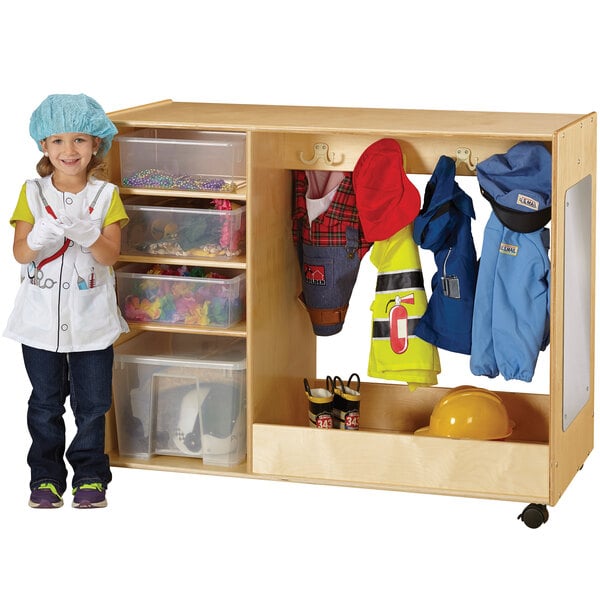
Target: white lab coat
(72,306)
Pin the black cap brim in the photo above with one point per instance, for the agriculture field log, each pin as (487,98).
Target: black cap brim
(516,220)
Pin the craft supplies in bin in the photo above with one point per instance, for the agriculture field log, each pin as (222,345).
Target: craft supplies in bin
(184,295)
(185,227)
(177,159)
(182,395)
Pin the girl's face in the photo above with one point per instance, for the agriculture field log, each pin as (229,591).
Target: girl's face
(70,154)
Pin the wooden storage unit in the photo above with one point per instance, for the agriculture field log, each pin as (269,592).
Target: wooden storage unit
(555,433)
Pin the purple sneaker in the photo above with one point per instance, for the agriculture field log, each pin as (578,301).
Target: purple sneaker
(89,495)
(45,495)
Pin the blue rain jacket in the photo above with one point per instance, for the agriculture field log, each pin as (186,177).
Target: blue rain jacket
(511,316)
(444,227)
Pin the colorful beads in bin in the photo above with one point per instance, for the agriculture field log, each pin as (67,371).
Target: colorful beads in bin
(181,294)
(160,179)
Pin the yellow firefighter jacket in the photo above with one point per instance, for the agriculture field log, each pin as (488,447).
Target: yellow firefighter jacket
(400,301)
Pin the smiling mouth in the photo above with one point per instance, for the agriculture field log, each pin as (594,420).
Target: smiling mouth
(70,162)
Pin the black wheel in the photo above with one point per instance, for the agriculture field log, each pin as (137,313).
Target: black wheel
(534,515)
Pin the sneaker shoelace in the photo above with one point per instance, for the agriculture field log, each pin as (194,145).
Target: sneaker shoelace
(49,486)
(89,486)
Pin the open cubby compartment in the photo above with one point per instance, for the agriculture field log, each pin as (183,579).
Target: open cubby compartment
(385,453)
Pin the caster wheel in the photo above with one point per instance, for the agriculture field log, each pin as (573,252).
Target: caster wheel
(534,515)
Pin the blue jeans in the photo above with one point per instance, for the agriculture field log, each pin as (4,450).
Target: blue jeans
(86,377)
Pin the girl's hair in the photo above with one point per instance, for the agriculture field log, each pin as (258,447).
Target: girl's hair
(96,168)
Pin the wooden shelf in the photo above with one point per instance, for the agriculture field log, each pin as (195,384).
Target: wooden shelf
(126,191)
(182,464)
(233,262)
(237,330)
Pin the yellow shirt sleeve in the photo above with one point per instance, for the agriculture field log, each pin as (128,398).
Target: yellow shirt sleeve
(116,210)
(22,212)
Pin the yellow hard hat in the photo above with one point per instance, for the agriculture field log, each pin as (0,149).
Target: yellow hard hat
(471,413)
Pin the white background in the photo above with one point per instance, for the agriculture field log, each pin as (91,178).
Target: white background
(168,535)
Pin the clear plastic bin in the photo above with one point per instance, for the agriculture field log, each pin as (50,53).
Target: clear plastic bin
(203,297)
(181,395)
(179,159)
(185,227)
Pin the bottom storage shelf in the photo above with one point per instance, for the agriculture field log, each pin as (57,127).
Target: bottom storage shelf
(384,453)
(179,464)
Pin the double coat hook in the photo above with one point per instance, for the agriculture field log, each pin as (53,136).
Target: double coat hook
(321,152)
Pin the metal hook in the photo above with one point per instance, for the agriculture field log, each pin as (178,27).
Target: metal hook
(321,151)
(463,156)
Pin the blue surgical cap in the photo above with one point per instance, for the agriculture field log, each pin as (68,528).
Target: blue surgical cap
(71,113)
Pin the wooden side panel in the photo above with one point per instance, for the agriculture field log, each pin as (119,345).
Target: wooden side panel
(281,347)
(113,158)
(574,158)
(503,470)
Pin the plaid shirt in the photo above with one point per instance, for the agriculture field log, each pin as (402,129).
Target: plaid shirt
(329,228)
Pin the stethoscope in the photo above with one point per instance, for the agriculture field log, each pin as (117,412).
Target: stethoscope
(36,277)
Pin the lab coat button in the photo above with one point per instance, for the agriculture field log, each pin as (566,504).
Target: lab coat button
(66,285)
(64,327)
(68,200)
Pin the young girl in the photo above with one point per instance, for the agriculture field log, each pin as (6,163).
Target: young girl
(67,235)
